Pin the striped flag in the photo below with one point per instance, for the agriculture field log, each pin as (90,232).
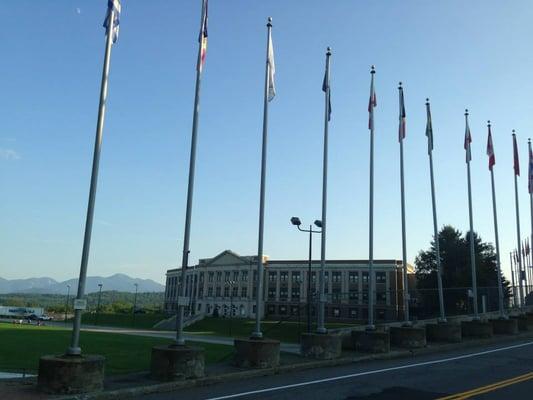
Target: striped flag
(271,69)
(327,89)
(516,162)
(429,128)
(468,139)
(530,181)
(490,149)
(113,6)
(372,101)
(401,127)
(202,39)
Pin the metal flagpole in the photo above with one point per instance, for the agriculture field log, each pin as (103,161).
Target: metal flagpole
(471,220)
(182,301)
(371,106)
(321,328)
(517,205)
(530,190)
(111,31)
(401,136)
(267,97)
(512,279)
(492,161)
(429,134)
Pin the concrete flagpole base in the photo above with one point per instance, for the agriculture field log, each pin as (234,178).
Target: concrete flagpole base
(477,329)
(371,341)
(256,353)
(324,346)
(443,332)
(174,362)
(503,326)
(409,337)
(66,374)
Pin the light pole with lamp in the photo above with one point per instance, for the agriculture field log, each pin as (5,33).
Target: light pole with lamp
(296,222)
(135,302)
(66,303)
(98,305)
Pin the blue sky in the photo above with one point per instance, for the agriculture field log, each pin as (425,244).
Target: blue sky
(474,54)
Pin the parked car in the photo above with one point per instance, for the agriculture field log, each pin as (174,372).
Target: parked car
(45,317)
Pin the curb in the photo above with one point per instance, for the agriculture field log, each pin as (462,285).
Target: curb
(211,380)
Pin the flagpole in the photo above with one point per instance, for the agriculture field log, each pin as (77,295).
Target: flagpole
(517,206)
(257,332)
(471,220)
(321,327)
(435,224)
(530,183)
(371,215)
(512,278)
(402,192)
(74,348)
(496,237)
(190,191)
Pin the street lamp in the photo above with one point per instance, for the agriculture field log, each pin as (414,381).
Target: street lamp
(66,303)
(98,306)
(296,222)
(135,302)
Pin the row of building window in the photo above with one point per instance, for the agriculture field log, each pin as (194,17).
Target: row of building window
(336,276)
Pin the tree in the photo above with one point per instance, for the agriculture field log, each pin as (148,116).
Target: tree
(456,273)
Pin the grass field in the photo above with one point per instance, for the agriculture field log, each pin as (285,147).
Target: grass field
(142,321)
(286,331)
(22,345)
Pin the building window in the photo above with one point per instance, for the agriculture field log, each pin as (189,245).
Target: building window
(254,308)
(244,292)
(272,276)
(199,306)
(354,313)
(226,291)
(313,277)
(254,292)
(282,310)
(255,276)
(210,291)
(381,277)
(271,309)
(381,314)
(326,276)
(235,276)
(283,294)
(235,291)
(201,292)
(381,297)
(210,277)
(283,276)
(353,277)
(295,293)
(365,278)
(295,277)
(227,276)
(201,277)
(217,291)
(271,293)
(353,295)
(219,276)
(295,310)
(365,298)
(336,276)
(244,276)
(336,312)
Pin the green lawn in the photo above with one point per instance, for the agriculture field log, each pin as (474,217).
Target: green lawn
(22,345)
(286,331)
(142,321)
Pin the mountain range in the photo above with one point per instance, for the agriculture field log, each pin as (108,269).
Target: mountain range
(118,282)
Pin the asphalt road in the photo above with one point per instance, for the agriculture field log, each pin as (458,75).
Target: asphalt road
(489,372)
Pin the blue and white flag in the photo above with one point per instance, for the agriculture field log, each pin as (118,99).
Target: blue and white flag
(113,6)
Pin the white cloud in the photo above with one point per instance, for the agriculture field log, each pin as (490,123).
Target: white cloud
(9,154)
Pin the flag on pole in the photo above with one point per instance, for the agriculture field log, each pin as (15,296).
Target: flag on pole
(516,164)
(490,149)
(372,102)
(401,127)
(468,139)
(327,89)
(271,69)
(530,181)
(429,128)
(202,39)
(113,6)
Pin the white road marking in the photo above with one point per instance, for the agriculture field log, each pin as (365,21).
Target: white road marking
(376,371)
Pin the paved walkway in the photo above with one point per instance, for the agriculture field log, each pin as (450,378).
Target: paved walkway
(293,348)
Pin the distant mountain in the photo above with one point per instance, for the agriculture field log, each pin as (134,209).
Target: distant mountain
(118,282)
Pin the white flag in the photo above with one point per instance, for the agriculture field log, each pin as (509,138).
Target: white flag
(271,69)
